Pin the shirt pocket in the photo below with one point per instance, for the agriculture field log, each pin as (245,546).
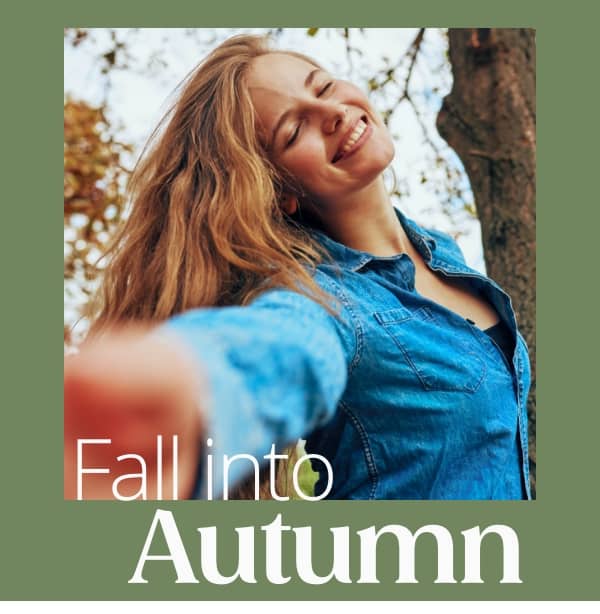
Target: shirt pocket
(445,357)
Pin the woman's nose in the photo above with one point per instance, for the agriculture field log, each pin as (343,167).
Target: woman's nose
(334,115)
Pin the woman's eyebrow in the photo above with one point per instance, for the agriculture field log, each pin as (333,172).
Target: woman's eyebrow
(307,83)
(311,75)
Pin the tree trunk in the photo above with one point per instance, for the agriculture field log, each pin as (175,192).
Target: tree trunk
(489,120)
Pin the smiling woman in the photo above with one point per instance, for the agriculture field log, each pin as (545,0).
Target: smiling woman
(314,126)
(265,289)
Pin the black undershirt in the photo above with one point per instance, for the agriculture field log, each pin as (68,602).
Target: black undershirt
(500,333)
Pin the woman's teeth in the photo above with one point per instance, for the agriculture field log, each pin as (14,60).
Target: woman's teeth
(356,134)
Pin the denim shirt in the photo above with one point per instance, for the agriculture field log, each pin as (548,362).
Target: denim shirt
(404,397)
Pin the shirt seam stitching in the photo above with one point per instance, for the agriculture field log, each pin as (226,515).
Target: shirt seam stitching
(358,330)
(368,452)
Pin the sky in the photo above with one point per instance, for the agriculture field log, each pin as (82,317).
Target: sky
(158,59)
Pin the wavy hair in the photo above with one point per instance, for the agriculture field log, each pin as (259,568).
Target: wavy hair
(205,227)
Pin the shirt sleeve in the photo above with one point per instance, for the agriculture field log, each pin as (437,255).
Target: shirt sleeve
(273,370)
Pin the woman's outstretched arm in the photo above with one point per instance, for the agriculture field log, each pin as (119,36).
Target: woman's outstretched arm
(245,377)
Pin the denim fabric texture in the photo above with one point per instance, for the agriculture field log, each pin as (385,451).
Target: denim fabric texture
(404,397)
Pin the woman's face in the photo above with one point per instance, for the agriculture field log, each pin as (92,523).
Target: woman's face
(323,131)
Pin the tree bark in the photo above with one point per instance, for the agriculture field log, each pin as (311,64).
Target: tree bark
(489,120)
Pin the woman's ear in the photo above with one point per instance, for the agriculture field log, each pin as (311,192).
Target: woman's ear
(289,204)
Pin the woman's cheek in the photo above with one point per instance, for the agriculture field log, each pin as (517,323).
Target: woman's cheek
(307,164)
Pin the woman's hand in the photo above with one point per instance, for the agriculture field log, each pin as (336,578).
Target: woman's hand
(131,386)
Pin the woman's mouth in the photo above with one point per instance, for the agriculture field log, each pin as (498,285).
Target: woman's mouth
(353,139)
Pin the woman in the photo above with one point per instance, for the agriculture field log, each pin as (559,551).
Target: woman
(325,313)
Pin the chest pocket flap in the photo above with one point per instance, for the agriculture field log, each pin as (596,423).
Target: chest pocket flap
(443,352)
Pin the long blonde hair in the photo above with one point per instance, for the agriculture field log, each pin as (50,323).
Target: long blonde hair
(205,226)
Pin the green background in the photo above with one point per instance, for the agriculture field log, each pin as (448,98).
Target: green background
(69,550)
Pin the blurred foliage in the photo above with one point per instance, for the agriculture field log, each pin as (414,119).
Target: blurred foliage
(307,478)
(94,185)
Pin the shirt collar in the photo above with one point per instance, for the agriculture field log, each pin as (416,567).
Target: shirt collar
(354,259)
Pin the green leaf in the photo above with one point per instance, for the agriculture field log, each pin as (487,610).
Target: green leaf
(312,31)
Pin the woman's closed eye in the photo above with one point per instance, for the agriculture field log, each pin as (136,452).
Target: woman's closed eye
(324,89)
(294,135)
(321,92)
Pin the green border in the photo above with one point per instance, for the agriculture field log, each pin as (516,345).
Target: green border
(54,549)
